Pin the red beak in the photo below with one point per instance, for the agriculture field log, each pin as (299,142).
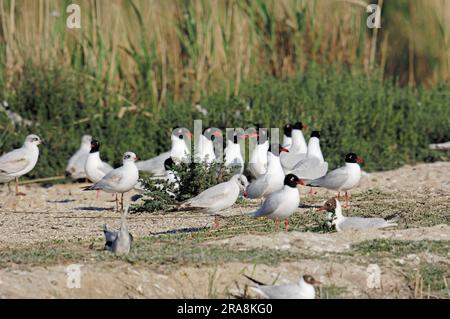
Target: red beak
(137,158)
(321,209)
(189,135)
(301,183)
(252,135)
(305,126)
(282,149)
(217,133)
(359,160)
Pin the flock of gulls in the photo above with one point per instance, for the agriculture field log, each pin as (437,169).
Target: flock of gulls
(272,174)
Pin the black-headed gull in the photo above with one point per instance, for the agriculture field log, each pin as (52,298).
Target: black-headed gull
(95,168)
(217,198)
(303,289)
(119,242)
(272,180)
(204,152)
(287,136)
(283,203)
(121,179)
(77,163)
(313,166)
(341,222)
(257,164)
(20,161)
(298,149)
(343,178)
(178,149)
(233,153)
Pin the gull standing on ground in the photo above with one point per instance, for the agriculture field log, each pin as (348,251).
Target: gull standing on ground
(341,222)
(119,242)
(205,148)
(233,154)
(258,157)
(287,136)
(303,289)
(313,166)
(216,198)
(283,203)
(178,150)
(272,180)
(343,178)
(20,161)
(121,179)
(77,163)
(298,149)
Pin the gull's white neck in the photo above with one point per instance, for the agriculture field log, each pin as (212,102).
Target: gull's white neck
(314,149)
(298,141)
(306,289)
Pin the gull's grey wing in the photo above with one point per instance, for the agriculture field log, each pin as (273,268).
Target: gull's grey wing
(110,180)
(332,180)
(269,205)
(211,195)
(290,159)
(361,223)
(154,165)
(257,188)
(14,161)
(310,168)
(289,291)
(105,167)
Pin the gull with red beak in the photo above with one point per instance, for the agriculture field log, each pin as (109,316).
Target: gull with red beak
(205,147)
(298,149)
(121,179)
(343,178)
(272,180)
(303,289)
(282,203)
(233,154)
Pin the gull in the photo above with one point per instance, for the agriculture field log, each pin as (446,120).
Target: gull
(119,242)
(95,168)
(258,157)
(233,154)
(205,147)
(298,149)
(20,161)
(283,203)
(77,163)
(216,198)
(303,289)
(287,136)
(14,117)
(341,222)
(272,180)
(313,166)
(121,179)
(179,151)
(343,178)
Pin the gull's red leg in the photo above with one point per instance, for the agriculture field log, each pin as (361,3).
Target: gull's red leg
(286,224)
(339,196)
(346,200)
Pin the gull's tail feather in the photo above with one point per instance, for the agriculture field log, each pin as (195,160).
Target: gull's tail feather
(254,280)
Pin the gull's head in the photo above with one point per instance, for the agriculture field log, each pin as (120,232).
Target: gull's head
(310,280)
(292,180)
(33,139)
(276,149)
(211,133)
(129,157)
(299,126)
(315,134)
(181,133)
(330,205)
(95,146)
(353,158)
(288,130)
(86,140)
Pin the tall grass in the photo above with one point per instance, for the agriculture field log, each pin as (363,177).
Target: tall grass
(142,50)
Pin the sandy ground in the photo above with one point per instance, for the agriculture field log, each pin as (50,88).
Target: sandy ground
(66,213)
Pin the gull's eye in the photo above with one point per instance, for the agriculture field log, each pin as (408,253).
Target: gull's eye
(180,136)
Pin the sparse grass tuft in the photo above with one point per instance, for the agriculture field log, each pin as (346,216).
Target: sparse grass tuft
(402,247)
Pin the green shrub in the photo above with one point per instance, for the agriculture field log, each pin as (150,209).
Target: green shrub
(386,124)
(192,179)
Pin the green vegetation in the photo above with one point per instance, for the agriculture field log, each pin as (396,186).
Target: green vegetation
(386,124)
(397,248)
